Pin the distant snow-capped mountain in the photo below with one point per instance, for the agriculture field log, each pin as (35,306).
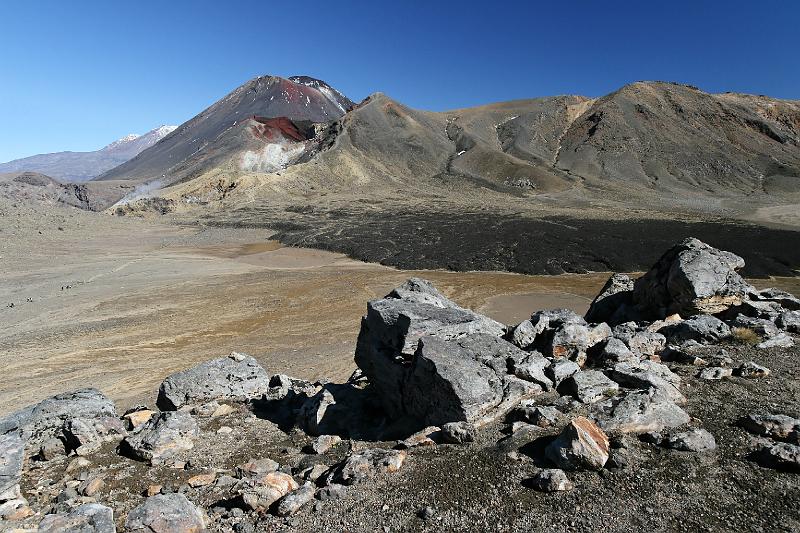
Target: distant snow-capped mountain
(83,166)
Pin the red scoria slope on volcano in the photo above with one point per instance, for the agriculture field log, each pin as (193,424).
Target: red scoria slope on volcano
(298,99)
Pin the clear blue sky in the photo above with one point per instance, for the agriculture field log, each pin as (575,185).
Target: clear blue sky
(77,75)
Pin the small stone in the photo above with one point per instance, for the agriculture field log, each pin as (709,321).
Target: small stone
(781,456)
(693,440)
(137,419)
(782,340)
(87,518)
(165,513)
(201,480)
(780,427)
(751,370)
(458,432)
(222,410)
(551,480)
(715,373)
(52,448)
(323,443)
(225,430)
(92,486)
(257,467)
(152,490)
(292,502)
(334,491)
(77,464)
(580,445)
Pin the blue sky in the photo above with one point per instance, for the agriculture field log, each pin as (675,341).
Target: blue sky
(77,75)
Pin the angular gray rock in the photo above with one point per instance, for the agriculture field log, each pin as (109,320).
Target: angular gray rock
(458,432)
(692,440)
(46,419)
(85,435)
(715,373)
(778,296)
(691,278)
(551,480)
(639,412)
(789,321)
(763,327)
(161,437)
(12,456)
(615,351)
(292,502)
(237,378)
(361,465)
(323,443)
(614,299)
(561,369)
(165,513)
(781,456)
(533,368)
(779,427)
(649,374)
(751,370)
(388,350)
(573,340)
(782,340)
(580,445)
(87,518)
(704,329)
(588,386)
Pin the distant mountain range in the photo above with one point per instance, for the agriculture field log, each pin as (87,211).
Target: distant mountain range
(73,167)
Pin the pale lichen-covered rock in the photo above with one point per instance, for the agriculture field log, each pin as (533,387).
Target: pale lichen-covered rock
(639,412)
(162,437)
(690,440)
(589,386)
(165,513)
(780,427)
(87,518)
(648,374)
(237,377)
(580,445)
(292,502)
(551,480)
(691,278)
(12,456)
(780,455)
(704,329)
(364,464)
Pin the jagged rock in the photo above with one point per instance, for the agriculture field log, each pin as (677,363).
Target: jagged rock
(85,435)
(15,509)
(691,278)
(781,456)
(390,354)
(162,437)
(165,513)
(789,321)
(313,473)
(614,298)
(261,491)
(704,329)
(361,465)
(551,480)
(136,419)
(639,412)
(779,427)
(524,334)
(692,440)
(458,432)
(616,351)
(751,370)
(237,378)
(648,374)
(647,343)
(782,298)
(573,340)
(46,419)
(782,340)
(92,485)
(533,368)
(461,380)
(292,502)
(715,373)
(588,386)
(257,467)
(561,369)
(323,443)
(12,456)
(760,326)
(580,445)
(87,518)
(201,480)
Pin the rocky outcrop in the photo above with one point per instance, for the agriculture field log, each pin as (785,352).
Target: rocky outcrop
(236,378)
(691,278)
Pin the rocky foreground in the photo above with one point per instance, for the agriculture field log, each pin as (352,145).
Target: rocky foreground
(672,405)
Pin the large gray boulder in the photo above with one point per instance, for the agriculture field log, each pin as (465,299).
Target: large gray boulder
(165,513)
(691,278)
(433,362)
(646,375)
(46,419)
(12,455)
(237,378)
(639,411)
(162,437)
(87,518)
(704,329)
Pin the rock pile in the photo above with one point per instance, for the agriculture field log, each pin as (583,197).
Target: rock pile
(570,390)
